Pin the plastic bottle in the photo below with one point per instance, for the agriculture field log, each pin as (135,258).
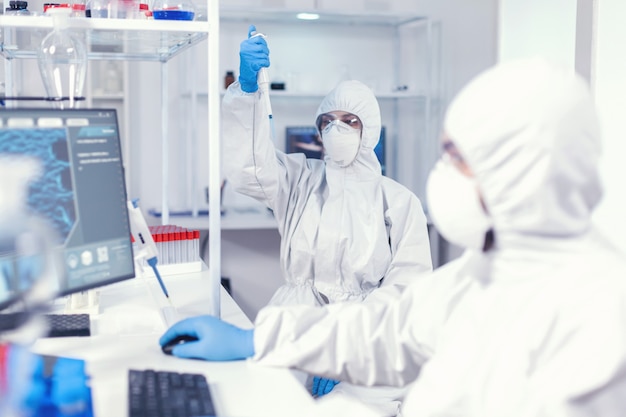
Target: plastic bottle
(17,7)
(144,11)
(62,59)
(229,78)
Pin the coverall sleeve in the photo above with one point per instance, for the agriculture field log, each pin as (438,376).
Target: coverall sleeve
(252,164)
(364,343)
(249,156)
(582,369)
(410,248)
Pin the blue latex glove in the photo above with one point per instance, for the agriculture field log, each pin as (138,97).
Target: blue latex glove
(70,393)
(322,386)
(217,340)
(27,389)
(253,55)
(64,393)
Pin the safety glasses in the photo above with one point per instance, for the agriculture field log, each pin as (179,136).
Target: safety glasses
(325,119)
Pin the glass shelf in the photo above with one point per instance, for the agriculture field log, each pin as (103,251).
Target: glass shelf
(110,39)
(321,95)
(265,14)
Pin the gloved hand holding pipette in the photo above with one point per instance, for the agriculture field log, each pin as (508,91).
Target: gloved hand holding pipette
(254,55)
(253,75)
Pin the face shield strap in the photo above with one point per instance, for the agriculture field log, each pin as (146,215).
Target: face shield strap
(490,241)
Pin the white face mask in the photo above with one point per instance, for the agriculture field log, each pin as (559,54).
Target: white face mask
(454,207)
(341,142)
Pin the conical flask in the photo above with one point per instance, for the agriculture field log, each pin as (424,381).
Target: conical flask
(62,59)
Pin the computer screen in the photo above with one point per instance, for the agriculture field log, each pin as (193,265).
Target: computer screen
(306,140)
(81,191)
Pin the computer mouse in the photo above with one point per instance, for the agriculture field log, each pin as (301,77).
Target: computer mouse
(178,340)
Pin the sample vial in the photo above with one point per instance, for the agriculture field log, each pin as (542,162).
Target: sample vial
(229,78)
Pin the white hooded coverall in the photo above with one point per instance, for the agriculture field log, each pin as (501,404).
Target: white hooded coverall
(534,327)
(347,234)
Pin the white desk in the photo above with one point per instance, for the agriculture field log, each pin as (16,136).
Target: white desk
(125,335)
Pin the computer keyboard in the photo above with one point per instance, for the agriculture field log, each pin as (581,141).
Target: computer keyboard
(68,325)
(59,325)
(168,394)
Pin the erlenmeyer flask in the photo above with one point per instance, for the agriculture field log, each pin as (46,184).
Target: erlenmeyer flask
(62,59)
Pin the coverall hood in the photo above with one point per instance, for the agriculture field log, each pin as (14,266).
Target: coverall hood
(356,98)
(529,132)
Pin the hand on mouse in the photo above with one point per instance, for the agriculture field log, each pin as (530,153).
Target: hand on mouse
(217,340)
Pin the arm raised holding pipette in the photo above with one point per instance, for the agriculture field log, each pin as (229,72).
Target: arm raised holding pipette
(254,56)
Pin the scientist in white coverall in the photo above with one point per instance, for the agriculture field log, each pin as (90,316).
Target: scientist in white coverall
(347,232)
(529,323)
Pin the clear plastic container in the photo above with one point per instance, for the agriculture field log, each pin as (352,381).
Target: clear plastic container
(113,9)
(77,8)
(173,10)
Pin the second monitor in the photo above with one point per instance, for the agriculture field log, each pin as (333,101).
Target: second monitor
(306,140)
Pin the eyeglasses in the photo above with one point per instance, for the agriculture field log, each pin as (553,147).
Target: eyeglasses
(323,120)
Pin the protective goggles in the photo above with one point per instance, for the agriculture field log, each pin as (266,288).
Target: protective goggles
(325,119)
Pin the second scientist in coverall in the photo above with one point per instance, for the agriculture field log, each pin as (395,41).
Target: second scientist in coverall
(530,323)
(347,232)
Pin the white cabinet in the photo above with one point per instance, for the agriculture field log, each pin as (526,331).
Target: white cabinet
(120,40)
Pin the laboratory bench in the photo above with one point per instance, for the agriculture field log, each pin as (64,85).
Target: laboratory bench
(125,331)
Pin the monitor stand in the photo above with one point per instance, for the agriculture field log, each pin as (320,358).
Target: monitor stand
(84,302)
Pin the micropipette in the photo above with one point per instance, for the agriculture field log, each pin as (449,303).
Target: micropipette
(263,80)
(145,243)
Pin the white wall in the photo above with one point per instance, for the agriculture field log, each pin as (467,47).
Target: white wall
(538,28)
(609,82)
(587,35)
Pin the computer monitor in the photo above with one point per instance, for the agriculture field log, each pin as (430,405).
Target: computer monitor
(81,191)
(306,140)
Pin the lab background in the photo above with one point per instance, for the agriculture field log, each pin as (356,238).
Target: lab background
(414,69)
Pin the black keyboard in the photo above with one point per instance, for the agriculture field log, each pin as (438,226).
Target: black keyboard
(59,325)
(68,325)
(168,394)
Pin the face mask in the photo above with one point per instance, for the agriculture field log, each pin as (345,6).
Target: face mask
(341,142)
(454,207)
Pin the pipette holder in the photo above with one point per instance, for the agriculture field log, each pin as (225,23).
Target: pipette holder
(84,302)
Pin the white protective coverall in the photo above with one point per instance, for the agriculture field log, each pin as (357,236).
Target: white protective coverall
(347,234)
(534,327)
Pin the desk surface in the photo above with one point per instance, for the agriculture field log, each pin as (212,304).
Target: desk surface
(233,218)
(125,335)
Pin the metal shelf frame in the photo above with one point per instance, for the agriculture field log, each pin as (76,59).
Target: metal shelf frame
(141,40)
